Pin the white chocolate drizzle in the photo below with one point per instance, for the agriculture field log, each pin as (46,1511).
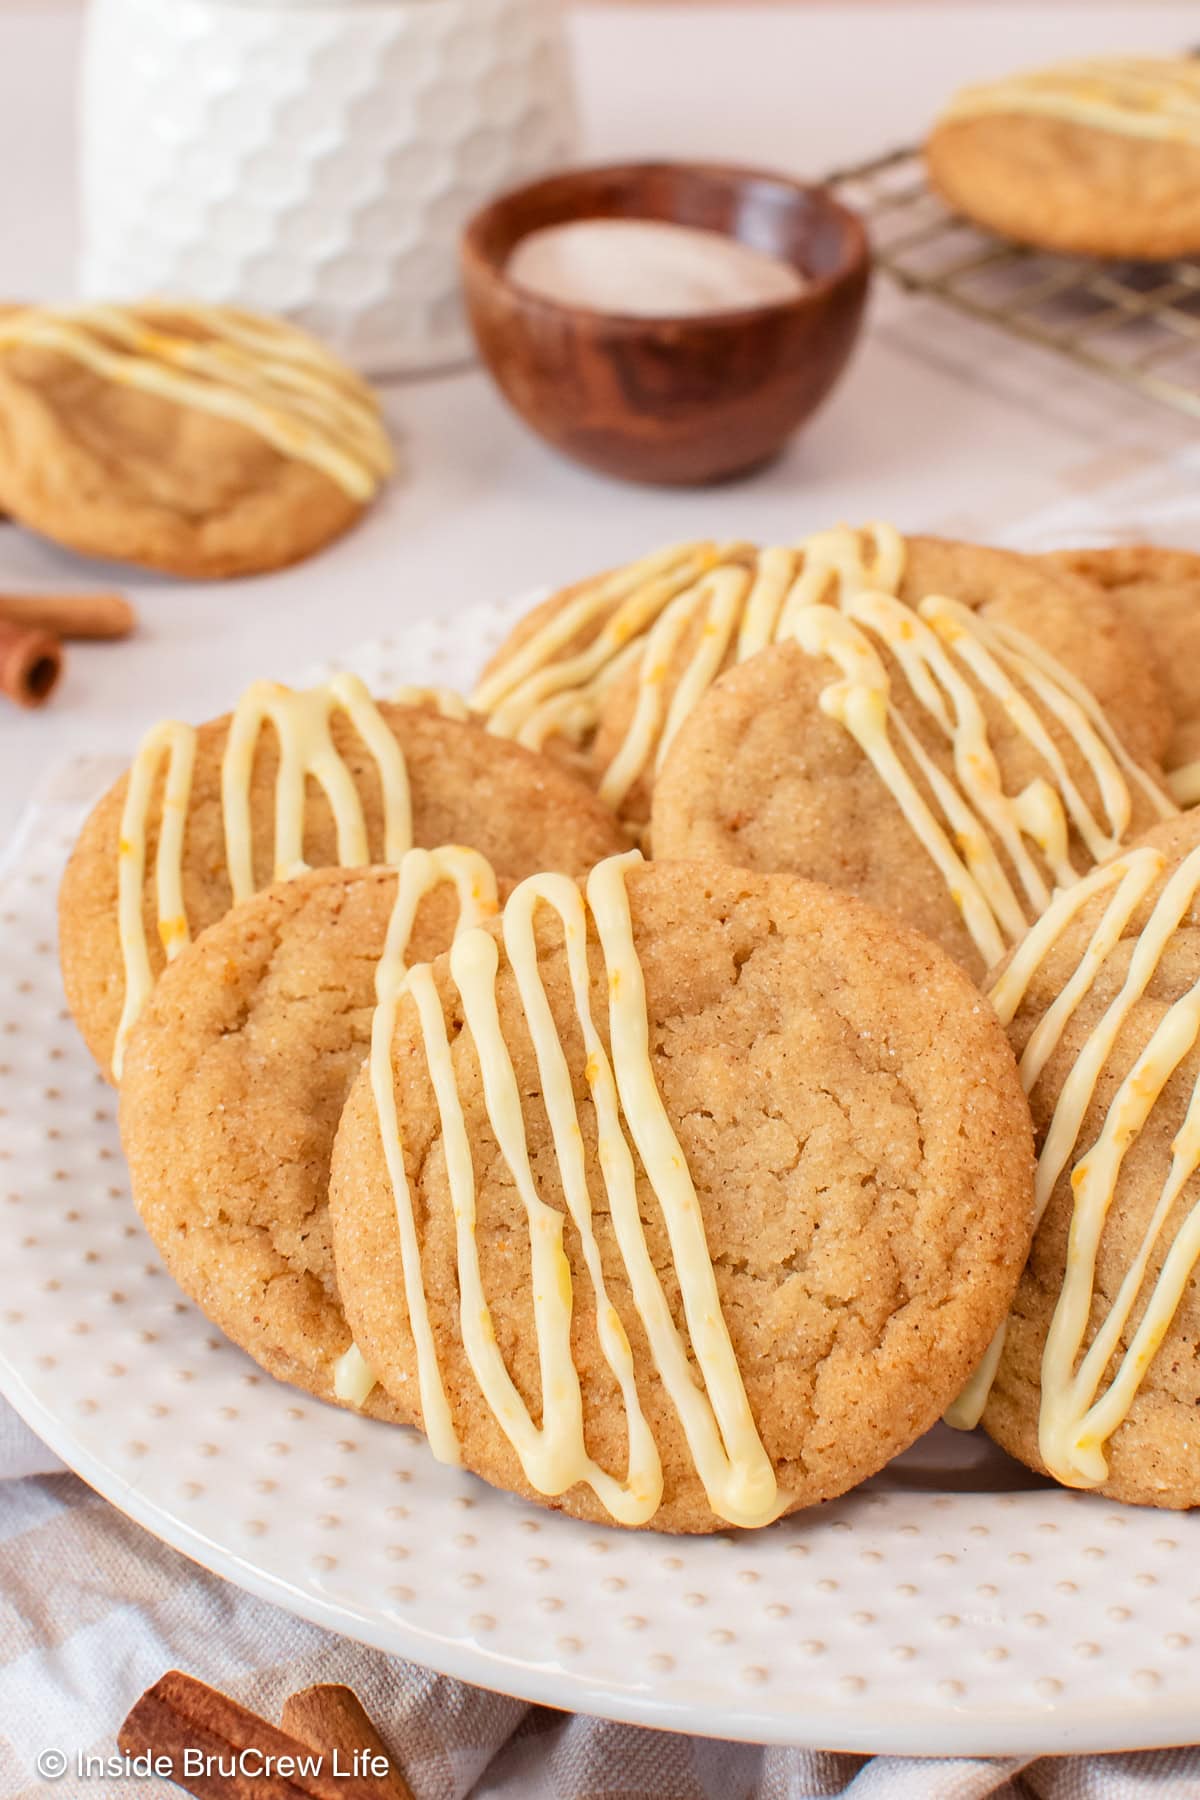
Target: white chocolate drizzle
(420,872)
(709,1399)
(176,742)
(947,654)
(732,599)
(260,373)
(353,1377)
(1136,96)
(1079,1412)
(1184,783)
(301,720)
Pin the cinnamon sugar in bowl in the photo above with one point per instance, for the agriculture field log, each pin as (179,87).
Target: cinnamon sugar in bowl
(676,397)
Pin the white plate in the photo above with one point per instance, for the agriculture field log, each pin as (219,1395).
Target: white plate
(952,1605)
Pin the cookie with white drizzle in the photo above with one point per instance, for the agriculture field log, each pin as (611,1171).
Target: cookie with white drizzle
(545,685)
(1098,1380)
(654,635)
(292,778)
(201,440)
(682,1202)
(1099,156)
(607,672)
(1160,588)
(932,759)
(235,1078)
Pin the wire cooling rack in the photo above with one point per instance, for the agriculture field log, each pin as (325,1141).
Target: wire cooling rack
(1137,323)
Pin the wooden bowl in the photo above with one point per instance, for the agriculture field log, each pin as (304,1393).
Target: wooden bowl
(670,399)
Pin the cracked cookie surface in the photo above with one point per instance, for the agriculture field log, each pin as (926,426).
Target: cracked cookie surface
(1160,589)
(762,776)
(860,1149)
(1069,186)
(1087,630)
(237,1072)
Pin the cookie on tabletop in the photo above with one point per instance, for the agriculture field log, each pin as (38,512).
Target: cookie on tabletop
(1098,1382)
(199,440)
(1100,157)
(685,1203)
(930,758)
(234,1081)
(210,814)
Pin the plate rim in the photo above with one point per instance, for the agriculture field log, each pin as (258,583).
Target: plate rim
(959,1731)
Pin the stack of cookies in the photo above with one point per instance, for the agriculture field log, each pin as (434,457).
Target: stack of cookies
(763,1020)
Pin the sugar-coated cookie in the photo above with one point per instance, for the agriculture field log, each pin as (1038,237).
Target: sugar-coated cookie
(200,440)
(1161,589)
(608,671)
(546,683)
(1098,1381)
(689,1204)
(234,1081)
(931,759)
(291,778)
(1100,157)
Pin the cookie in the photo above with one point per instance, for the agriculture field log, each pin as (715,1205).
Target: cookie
(654,634)
(1161,589)
(1098,1382)
(931,759)
(684,1206)
(544,685)
(235,1078)
(199,440)
(292,778)
(614,668)
(1099,158)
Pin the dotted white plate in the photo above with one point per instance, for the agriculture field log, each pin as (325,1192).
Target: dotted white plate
(955,1604)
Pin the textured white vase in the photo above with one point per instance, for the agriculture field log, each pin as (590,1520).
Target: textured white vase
(313,157)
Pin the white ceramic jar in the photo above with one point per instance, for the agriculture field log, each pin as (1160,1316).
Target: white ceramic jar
(313,157)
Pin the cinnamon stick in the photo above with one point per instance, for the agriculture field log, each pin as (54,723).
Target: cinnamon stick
(30,663)
(332,1718)
(220,1750)
(72,615)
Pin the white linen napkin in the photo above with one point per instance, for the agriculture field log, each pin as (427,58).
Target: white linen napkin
(21,1453)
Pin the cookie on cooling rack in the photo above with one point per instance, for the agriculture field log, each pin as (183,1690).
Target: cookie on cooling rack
(234,1081)
(210,814)
(200,440)
(930,758)
(1099,157)
(1161,588)
(685,1204)
(605,673)
(1098,1382)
